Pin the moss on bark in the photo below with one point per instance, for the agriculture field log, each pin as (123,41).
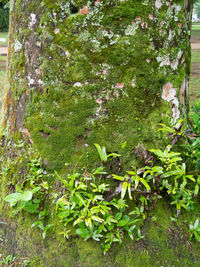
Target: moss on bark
(85,72)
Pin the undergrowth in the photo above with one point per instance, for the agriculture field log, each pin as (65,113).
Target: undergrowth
(105,206)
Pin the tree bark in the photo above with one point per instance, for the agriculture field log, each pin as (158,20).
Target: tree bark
(85,72)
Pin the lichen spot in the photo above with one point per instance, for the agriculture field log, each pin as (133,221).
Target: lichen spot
(158,3)
(32,21)
(168,92)
(17,46)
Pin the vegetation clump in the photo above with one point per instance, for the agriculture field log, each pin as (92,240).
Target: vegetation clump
(104,206)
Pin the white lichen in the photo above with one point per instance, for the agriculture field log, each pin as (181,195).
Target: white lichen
(174,65)
(131,29)
(17,46)
(175,109)
(56,31)
(31,81)
(158,3)
(164,61)
(32,20)
(169,95)
(77,84)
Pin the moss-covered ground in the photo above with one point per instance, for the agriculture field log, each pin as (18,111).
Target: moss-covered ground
(166,243)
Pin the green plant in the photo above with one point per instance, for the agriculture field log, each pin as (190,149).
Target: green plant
(195,230)
(92,216)
(8,260)
(41,225)
(4,16)
(24,200)
(91,207)
(26,262)
(173,177)
(103,154)
(36,175)
(130,182)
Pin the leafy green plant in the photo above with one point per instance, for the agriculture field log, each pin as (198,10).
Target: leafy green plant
(24,200)
(8,260)
(4,17)
(26,262)
(94,206)
(131,181)
(41,225)
(103,154)
(92,216)
(173,177)
(195,230)
(36,175)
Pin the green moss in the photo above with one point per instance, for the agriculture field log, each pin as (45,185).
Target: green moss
(101,83)
(59,118)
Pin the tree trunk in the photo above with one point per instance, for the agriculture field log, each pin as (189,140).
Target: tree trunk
(85,72)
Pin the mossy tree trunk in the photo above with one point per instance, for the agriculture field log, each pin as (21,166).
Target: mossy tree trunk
(96,72)
(84,72)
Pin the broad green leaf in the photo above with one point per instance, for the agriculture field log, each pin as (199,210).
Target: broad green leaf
(196,120)
(130,235)
(80,219)
(30,207)
(129,191)
(81,199)
(97,219)
(95,209)
(38,223)
(122,223)
(83,232)
(197,235)
(157,152)
(166,128)
(13,198)
(118,216)
(36,189)
(98,197)
(191,177)
(196,191)
(125,220)
(114,155)
(88,222)
(126,217)
(102,152)
(21,205)
(145,184)
(99,171)
(137,179)
(124,188)
(117,177)
(196,142)
(123,145)
(26,196)
(196,223)
(97,237)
